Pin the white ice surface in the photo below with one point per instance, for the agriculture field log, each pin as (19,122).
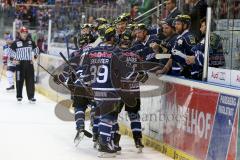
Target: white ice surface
(33,132)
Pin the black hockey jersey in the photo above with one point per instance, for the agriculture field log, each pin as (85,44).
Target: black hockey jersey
(104,71)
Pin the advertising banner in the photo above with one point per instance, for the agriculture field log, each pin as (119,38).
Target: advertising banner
(219,75)
(203,124)
(238,139)
(223,127)
(235,78)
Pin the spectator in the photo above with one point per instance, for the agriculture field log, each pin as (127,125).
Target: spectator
(172,9)
(18,23)
(134,10)
(91,20)
(197,12)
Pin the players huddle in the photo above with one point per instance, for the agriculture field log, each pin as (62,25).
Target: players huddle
(111,61)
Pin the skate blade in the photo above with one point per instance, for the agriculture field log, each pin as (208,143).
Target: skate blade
(31,102)
(90,127)
(118,153)
(139,150)
(78,139)
(106,155)
(95,145)
(10,91)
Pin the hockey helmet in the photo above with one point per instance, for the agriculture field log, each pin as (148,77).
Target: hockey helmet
(186,19)
(109,32)
(126,38)
(141,26)
(101,21)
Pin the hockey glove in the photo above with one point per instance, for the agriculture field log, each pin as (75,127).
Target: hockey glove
(58,79)
(142,77)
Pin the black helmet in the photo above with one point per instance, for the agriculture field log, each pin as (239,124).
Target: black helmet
(142,26)
(120,19)
(125,17)
(86,25)
(132,26)
(169,22)
(109,32)
(184,19)
(101,21)
(84,39)
(101,29)
(126,38)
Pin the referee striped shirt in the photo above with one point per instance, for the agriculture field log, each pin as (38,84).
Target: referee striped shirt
(23,50)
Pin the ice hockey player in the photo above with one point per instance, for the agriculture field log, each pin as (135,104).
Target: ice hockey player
(166,45)
(8,61)
(86,30)
(143,45)
(121,26)
(216,56)
(99,21)
(85,47)
(182,47)
(130,89)
(104,73)
(100,35)
(70,75)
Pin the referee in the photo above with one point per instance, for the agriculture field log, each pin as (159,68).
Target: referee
(23,50)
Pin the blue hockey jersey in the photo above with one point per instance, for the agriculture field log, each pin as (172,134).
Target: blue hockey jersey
(182,48)
(104,72)
(144,50)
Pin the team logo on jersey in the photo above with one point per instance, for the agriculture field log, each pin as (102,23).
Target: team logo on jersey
(19,44)
(180,41)
(192,39)
(29,42)
(150,56)
(139,51)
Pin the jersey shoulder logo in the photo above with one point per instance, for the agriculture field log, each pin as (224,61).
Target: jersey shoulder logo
(19,44)
(192,39)
(180,42)
(29,42)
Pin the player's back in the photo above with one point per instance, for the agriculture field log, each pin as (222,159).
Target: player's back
(104,72)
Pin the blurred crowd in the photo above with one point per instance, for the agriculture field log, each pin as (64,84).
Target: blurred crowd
(68,19)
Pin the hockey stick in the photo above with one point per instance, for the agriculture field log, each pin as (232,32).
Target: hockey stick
(79,136)
(66,61)
(62,112)
(67,45)
(52,75)
(75,41)
(74,72)
(37,70)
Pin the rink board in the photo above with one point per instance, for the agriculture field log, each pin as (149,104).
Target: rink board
(191,123)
